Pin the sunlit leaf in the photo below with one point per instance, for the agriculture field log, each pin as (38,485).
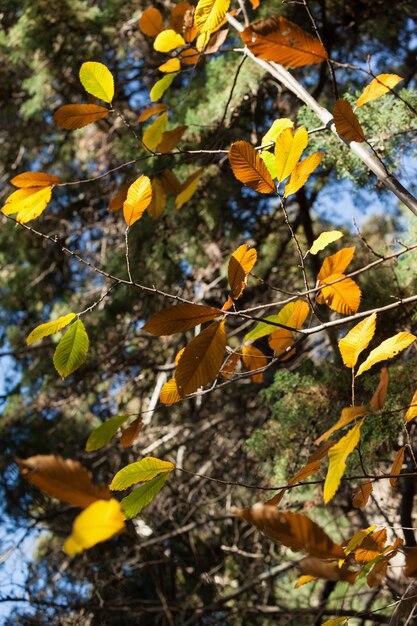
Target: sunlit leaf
(380,85)
(357,539)
(188,189)
(371,547)
(292,314)
(189,56)
(169,393)
(159,199)
(276,129)
(161,86)
(105,432)
(100,521)
(329,570)
(172,65)
(289,147)
(269,159)
(349,414)
(168,40)
(343,296)
(97,80)
(240,265)
(336,263)
(397,465)
(64,479)
(378,399)
(73,116)
(277,39)
(153,134)
(50,328)
(412,410)
(337,461)
(35,179)
(216,41)
(362,494)
(209,14)
(151,22)
(138,199)
(249,168)
(253,359)
(131,433)
(170,138)
(387,350)
(346,122)
(140,497)
(28,203)
(179,318)
(304,580)
(336,621)
(151,111)
(72,349)
(202,359)
(255,3)
(357,340)
(325,239)
(302,172)
(139,472)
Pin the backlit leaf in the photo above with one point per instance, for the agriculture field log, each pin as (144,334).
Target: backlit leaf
(64,479)
(412,410)
(301,173)
(131,433)
(71,351)
(161,86)
(357,339)
(276,129)
(277,39)
(249,168)
(28,203)
(230,365)
(189,56)
(100,521)
(73,116)
(336,621)
(336,263)
(371,547)
(240,264)
(346,122)
(216,41)
(325,239)
(151,23)
(357,539)
(151,111)
(209,14)
(172,65)
(387,350)
(188,189)
(170,138)
(319,568)
(304,580)
(168,40)
(181,15)
(50,328)
(289,147)
(201,359)
(35,179)
(169,393)
(179,318)
(138,199)
(378,399)
(269,159)
(343,296)
(397,465)
(159,199)
(140,497)
(254,359)
(361,494)
(140,472)
(153,134)
(380,85)
(337,461)
(349,414)
(105,432)
(97,80)
(292,314)
(281,339)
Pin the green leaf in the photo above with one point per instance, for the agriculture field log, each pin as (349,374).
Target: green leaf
(133,504)
(72,349)
(288,316)
(105,432)
(50,328)
(97,80)
(139,472)
(161,86)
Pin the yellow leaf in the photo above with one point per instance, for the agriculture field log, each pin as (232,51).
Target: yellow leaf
(151,111)
(209,14)
(138,198)
(168,40)
(336,621)
(357,339)
(100,521)
(172,65)
(188,189)
(269,159)
(35,179)
(153,134)
(378,399)
(336,263)
(343,296)
(50,328)
(361,495)
(288,150)
(202,359)
(249,168)
(170,138)
(304,580)
(169,393)
(277,39)
(276,129)
(159,199)
(28,203)
(73,116)
(412,410)
(325,239)
(346,122)
(397,465)
(240,264)
(292,314)
(378,87)
(254,359)
(139,472)
(64,479)
(161,86)
(337,461)
(348,415)
(179,318)
(151,22)
(97,80)
(301,173)
(387,350)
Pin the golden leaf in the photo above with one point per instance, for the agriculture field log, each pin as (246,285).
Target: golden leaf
(336,263)
(168,40)
(172,65)
(397,465)
(100,521)
(240,264)
(97,80)
(346,122)
(288,150)
(202,359)
(325,239)
(249,168)
(301,173)
(387,350)
(49,328)
(151,22)
(35,179)
(276,129)
(159,199)
(153,134)
(188,189)
(378,399)
(189,56)
(337,461)
(277,39)
(73,116)
(371,546)
(380,85)
(304,580)
(357,339)
(349,414)
(319,568)
(28,203)
(336,621)
(254,359)
(343,296)
(179,318)
(151,111)
(361,494)
(169,393)
(292,314)
(209,14)
(412,410)
(138,198)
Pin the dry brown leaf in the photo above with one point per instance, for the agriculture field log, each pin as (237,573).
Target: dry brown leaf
(397,465)
(346,122)
(179,318)
(378,399)
(131,433)
(361,495)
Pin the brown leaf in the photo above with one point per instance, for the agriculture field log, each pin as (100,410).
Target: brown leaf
(277,39)
(64,479)
(170,138)
(170,182)
(254,359)
(346,122)
(131,433)
(151,22)
(159,199)
(249,168)
(361,495)
(73,116)
(410,562)
(179,318)
(314,566)
(371,546)
(230,365)
(151,111)
(240,264)
(216,41)
(397,465)
(116,203)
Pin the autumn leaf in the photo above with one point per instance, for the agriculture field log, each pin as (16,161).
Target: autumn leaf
(397,465)
(292,314)
(73,116)
(202,359)
(288,150)
(159,199)
(344,296)
(249,168)
(320,568)
(361,494)
(277,39)
(168,40)
(325,239)
(336,621)
(151,112)
(170,139)
(357,340)
(179,318)
(28,203)
(151,22)
(412,410)
(131,433)
(301,173)
(381,84)
(97,80)
(118,200)
(72,349)
(35,179)
(49,328)
(104,433)
(64,479)
(169,393)
(138,199)
(371,546)
(240,265)
(153,134)
(349,414)
(140,472)
(98,522)
(140,497)
(170,182)
(337,461)
(254,359)
(172,65)
(388,349)
(209,14)
(346,122)
(230,365)
(188,188)
(269,159)
(378,399)
(276,129)
(336,263)
(161,86)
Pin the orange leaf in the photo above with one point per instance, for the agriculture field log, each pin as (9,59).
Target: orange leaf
(151,22)
(380,85)
(170,138)
(189,56)
(288,150)
(378,573)
(397,465)
(73,116)
(349,414)
(64,479)
(346,122)
(188,188)
(158,202)
(378,399)
(182,21)
(116,203)
(169,393)
(371,546)
(361,495)
(131,433)
(281,339)
(343,296)
(277,39)
(410,562)
(249,168)
(179,318)
(138,198)
(412,410)
(301,173)
(151,111)
(35,179)
(240,264)
(201,359)
(336,263)
(230,365)
(254,359)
